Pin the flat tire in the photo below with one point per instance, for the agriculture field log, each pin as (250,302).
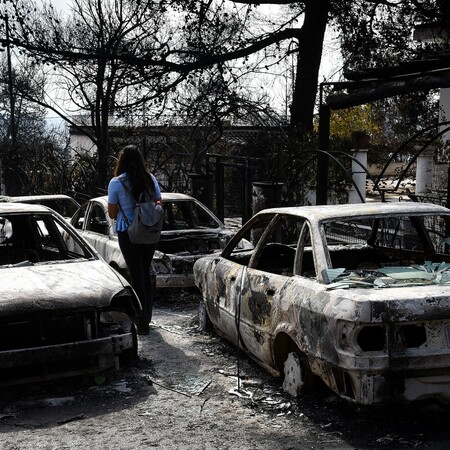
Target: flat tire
(204,323)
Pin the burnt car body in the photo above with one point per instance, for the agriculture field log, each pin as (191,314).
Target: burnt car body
(63,310)
(356,295)
(61,203)
(190,230)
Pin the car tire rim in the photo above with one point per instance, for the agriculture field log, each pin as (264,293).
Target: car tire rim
(293,377)
(202,317)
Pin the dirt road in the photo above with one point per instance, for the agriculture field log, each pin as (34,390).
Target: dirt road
(184,394)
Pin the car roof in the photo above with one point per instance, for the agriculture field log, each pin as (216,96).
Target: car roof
(165,196)
(33,198)
(13,207)
(170,196)
(324,212)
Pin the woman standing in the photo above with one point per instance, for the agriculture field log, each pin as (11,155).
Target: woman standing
(131,171)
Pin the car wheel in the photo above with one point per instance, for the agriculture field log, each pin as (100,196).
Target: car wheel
(204,323)
(298,378)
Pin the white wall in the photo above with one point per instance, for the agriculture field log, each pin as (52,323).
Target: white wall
(444,109)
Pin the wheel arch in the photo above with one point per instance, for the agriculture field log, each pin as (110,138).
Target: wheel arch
(283,345)
(304,382)
(121,270)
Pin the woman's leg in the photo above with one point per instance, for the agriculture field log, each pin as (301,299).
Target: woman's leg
(147,252)
(132,254)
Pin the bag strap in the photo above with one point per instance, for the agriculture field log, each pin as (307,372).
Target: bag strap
(125,218)
(128,192)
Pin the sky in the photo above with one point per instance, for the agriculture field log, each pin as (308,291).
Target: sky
(60,4)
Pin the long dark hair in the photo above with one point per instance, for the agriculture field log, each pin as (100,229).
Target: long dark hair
(132,163)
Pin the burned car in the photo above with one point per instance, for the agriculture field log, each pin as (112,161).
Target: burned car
(355,295)
(190,230)
(61,203)
(63,310)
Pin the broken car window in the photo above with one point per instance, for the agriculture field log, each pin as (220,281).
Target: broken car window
(187,215)
(275,240)
(5,229)
(368,243)
(97,220)
(253,231)
(35,238)
(203,219)
(277,249)
(80,217)
(387,251)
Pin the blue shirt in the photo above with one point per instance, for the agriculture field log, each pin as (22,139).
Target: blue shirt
(118,195)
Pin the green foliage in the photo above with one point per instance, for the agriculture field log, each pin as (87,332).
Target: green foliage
(388,123)
(345,122)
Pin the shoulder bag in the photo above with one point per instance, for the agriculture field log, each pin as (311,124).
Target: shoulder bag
(147,218)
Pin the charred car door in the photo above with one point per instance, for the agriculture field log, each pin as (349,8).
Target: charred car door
(98,230)
(254,288)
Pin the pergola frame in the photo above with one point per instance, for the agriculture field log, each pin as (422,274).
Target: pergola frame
(368,86)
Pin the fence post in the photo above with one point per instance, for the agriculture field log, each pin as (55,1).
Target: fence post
(246,186)
(220,189)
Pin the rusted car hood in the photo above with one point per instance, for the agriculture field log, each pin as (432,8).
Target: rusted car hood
(84,284)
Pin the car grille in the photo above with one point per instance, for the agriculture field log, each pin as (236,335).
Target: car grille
(46,328)
(55,345)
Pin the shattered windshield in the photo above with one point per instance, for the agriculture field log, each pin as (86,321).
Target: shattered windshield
(28,239)
(388,251)
(187,215)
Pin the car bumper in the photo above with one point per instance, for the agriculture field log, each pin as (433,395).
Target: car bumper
(57,361)
(383,388)
(175,280)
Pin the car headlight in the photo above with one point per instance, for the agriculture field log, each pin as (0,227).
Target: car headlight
(372,338)
(116,319)
(410,335)
(161,263)
(124,301)
(362,337)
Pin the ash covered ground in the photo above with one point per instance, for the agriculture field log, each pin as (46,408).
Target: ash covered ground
(183,393)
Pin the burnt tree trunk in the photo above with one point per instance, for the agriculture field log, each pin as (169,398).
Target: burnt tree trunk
(308,63)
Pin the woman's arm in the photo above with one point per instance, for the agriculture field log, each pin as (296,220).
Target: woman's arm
(113,210)
(158,200)
(113,197)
